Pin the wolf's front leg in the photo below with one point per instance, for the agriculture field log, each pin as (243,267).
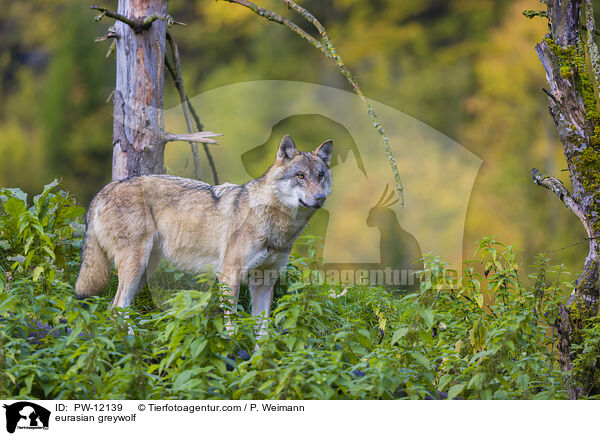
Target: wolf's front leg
(262,296)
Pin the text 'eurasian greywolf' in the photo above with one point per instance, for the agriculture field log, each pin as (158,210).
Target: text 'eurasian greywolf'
(230,229)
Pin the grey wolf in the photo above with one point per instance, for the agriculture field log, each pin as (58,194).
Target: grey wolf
(229,229)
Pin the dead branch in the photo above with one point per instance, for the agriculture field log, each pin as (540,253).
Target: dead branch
(556,186)
(200,137)
(112,33)
(136,24)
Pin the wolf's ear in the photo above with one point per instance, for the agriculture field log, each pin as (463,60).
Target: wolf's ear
(324,151)
(287,149)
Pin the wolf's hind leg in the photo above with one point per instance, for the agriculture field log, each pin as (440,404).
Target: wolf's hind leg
(131,270)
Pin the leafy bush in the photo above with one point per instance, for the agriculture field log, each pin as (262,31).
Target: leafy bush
(39,236)
(481,334)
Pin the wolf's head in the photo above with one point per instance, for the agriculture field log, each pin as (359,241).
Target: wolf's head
(302,179)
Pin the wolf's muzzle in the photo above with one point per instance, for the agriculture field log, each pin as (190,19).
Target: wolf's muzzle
(318,202)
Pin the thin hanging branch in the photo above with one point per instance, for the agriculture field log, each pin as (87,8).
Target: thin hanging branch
(328,49)
(567,246)
(276,18)
(209,157)
(188,110)
(175,71)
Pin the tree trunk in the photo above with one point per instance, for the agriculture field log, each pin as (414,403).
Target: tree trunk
(138,143)
(567,56)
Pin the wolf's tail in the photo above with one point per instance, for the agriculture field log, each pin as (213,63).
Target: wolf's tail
(94,273)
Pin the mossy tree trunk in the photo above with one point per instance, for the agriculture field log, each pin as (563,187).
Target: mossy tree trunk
(570,58)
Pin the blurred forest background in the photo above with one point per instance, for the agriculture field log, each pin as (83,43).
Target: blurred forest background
(467,68)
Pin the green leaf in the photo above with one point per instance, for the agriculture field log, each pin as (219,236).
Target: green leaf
(183,379)
(523,381)
(290,340)
(295,286)
(382,323)
(398,334)
(455,390)
(29,381)
(24,225)
(443,382)
(477,381)
(49,251)
(479,299)
(478,334)
(37,272)
(265,385)
(421,358)
(14,207)
(16,193)
(218,323)
(74,334)
(197,347)
(278,317)
(428,316)
(488,268)
(39,199)
(6,302)
(291,317)
(220,365)
(28,242)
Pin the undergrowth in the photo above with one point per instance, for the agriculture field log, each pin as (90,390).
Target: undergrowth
(485,333)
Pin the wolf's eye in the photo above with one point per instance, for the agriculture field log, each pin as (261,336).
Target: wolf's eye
(300,175)
(321,175)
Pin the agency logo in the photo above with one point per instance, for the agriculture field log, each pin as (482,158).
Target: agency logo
(26,415)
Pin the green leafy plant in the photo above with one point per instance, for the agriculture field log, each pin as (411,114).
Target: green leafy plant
(38,237)
(483,333)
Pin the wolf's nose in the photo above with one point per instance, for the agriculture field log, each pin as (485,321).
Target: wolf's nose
(320,199)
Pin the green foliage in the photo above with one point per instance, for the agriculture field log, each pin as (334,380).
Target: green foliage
(38,238)
(481,334)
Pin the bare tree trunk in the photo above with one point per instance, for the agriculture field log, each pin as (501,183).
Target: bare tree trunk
(573,98)
(138,143)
